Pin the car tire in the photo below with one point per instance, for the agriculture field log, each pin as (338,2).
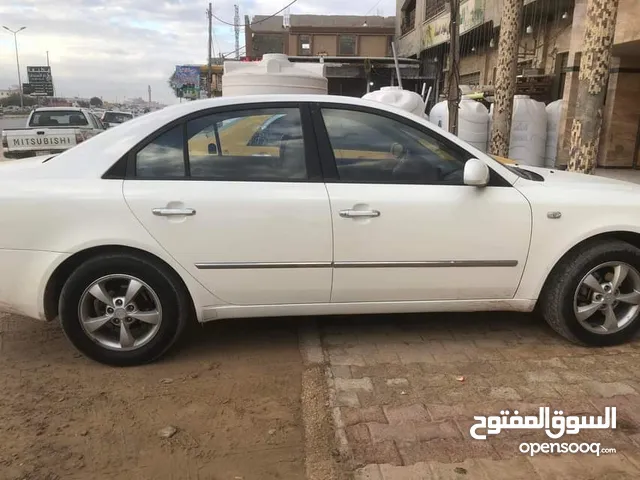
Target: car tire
(566,294)
(161,297)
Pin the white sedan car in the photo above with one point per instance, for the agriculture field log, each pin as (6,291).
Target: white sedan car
(294,205)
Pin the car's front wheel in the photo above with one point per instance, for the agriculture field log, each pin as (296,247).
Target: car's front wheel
(593,295)
(122,310)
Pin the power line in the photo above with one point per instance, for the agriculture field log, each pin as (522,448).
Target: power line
(259,21)
(233,52)
(369,11)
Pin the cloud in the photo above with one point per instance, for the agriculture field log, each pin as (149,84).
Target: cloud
(115,48)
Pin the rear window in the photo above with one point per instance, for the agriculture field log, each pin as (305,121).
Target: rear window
(112,117)
(58,118)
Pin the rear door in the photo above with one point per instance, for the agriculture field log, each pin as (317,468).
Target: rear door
(240,206)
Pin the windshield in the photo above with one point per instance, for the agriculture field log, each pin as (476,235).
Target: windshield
(54,118)
(113,117)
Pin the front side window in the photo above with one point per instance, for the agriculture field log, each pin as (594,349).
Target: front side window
(262,144)
(370,148)
(163,157)
(347,45)
(98,122)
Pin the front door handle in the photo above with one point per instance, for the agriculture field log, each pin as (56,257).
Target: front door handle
(174,212)
(359,213)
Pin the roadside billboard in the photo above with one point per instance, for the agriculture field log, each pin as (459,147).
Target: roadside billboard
(40,80)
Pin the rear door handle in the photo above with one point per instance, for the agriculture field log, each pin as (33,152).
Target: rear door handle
(174,212)
(359,213)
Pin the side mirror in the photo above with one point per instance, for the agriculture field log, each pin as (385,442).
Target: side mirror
(476,173)
(213,149)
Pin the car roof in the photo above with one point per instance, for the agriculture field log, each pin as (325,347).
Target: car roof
(65,109)
(105,149)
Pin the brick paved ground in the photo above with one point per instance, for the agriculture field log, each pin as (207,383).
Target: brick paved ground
(405,390)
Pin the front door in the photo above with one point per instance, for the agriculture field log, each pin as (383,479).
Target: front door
(239,210)
(406,228)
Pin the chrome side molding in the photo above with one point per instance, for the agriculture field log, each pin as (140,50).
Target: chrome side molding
(427,264)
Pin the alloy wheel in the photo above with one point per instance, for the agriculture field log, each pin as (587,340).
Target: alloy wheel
(120,312)
(608,298)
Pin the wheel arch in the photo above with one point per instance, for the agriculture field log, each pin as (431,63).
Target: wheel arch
(633,238)
(62,272)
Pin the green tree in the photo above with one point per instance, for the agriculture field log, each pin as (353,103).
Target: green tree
(14,100)
(95,102)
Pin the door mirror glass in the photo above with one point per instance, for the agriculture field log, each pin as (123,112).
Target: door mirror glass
(213,149)
(476,173)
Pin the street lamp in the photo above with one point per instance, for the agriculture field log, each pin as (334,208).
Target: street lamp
(15,41)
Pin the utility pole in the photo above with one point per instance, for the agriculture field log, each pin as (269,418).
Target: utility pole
(593,80)
(52,84)
(454,66)
(149,90)
(506,72)
(236,29)
(15,41)
(209,52)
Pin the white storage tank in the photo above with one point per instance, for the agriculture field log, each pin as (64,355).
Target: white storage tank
(554,110)
(473,121)
(397,97)
(528,141)
(273,74)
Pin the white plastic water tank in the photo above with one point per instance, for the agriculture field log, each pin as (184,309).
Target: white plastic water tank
(554,110)
(473,121)
(273,74)
(395,96)
(528,141)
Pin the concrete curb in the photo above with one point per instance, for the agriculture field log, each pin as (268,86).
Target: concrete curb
(320,463)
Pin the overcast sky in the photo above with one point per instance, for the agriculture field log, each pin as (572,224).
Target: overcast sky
(115,48)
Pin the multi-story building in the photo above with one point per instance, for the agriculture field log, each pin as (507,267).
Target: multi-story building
(314,35)
(355,49)
(548,60)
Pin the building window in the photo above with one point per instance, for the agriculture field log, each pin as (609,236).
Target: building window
(433,8)
(347,45)
(471,79)
(408,17)
(304,45)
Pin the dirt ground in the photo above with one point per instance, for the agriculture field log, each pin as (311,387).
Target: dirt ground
(232,391)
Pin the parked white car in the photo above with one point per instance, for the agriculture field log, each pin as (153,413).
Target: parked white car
(293,205)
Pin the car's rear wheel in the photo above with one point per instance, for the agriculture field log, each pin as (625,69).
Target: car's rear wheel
(593,295)
(122,310)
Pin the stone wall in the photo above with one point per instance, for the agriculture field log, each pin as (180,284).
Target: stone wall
(622,110)
(627,24)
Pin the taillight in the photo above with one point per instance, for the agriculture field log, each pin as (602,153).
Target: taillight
(79,137)
(5,142)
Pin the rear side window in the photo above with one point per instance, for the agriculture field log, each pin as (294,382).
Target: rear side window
(54,118)
(261,144)
(163,157)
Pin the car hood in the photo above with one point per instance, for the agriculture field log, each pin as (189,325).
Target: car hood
(571,180)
